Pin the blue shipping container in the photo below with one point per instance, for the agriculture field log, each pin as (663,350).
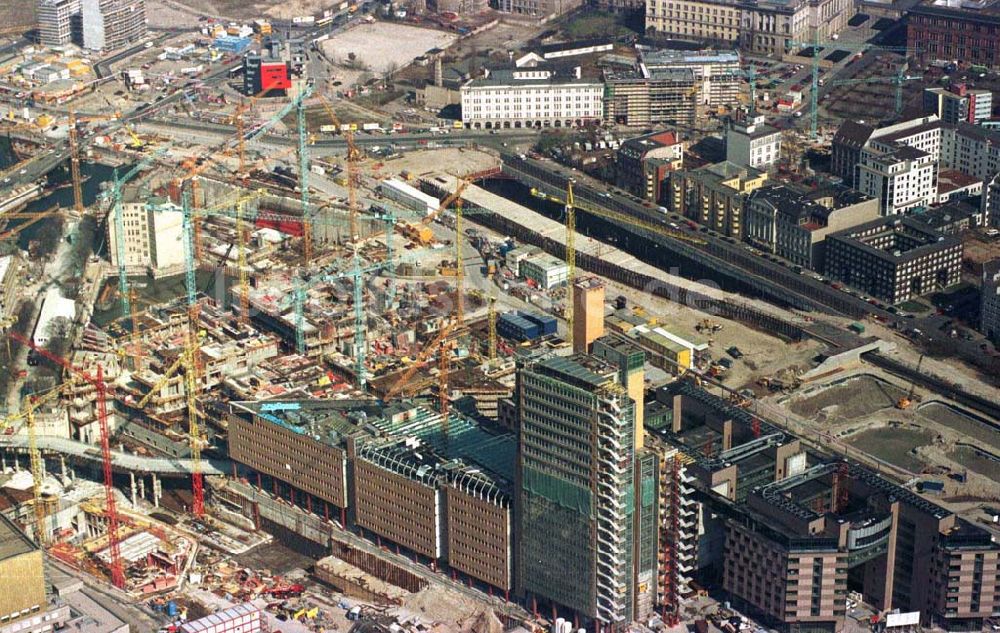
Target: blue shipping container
(546,323)
(516,327)
(231,43)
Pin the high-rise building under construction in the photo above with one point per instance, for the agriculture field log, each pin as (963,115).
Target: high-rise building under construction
(576,510)
(113,24)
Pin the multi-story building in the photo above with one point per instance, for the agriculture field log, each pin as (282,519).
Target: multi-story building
(788,534)
(153,239)
(923,133)
(440,489)
(972,150)
(641,97)
(967,31)
(989,308)
(750,142)
(575,476)
(763,28)
(541,96)
(716,73)
(10,268)
(990,201)
(715,195)
(59,22)
(113,24)
(894,259)
(958,103)
(544,270)
(22,578)
(588,312)
(537,8)
(901,179)
(643,164)
(794,225)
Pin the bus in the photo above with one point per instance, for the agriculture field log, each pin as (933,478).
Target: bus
(324,21)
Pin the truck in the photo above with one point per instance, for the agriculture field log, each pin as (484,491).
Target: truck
(304,20)
(371,127)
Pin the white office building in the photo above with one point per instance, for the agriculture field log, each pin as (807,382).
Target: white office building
(901,179)
(717,73)
(113,24)
(154,237)
(58,21)
(972,150)
(750,142)
(532,97)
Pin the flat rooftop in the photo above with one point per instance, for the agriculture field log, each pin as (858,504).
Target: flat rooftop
(13,542)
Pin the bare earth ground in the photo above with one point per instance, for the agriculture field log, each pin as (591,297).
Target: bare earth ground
(246,9)
(383,46)
(17,12)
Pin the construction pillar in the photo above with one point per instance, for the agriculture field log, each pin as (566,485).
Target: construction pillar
(157,491)
(326,511)
(343,518)
(62,467)
(142,488)
(234,471)
(132,488)
(260,486)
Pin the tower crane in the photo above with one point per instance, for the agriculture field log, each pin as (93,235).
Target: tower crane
(351,163)
(897,80)
(570,259)
(37,472)
(194,431)
(907,401)
(111,508)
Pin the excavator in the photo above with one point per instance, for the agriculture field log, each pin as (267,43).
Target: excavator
(906,401)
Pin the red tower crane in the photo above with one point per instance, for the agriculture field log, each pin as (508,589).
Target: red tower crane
(117,572)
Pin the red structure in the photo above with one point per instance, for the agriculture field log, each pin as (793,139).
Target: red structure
(111,508)
(274,76)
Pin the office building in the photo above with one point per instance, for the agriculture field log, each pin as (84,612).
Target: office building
(535,8)
(990,202)
(588,312)
(901,179)
(576,461)
(714,195)
(761,28)
(548,95)
(630,359)
(923,133)
(894,259)
(153,240)
(544,270)
(717,73)
(638,96)
(265,75)
(793,225)
(113,24)
(59,22)
(958,103)
(989,309)
(442,490)
(643,164)
(788,533)
(972,150)
(750,142)
(968,31)
(22,578)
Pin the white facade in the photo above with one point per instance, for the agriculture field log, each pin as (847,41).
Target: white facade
(531,97)
(753,143)
(55,21)
(545,270)
(900,180)
(409,196)
(54,306)
(716,73)
(154,238)
(972,150)
(924,134)
(113,24)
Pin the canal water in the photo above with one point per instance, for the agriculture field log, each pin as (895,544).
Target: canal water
(89,238)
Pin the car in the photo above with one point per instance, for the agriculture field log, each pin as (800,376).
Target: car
(735,352)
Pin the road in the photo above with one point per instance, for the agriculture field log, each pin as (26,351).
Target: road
(125,462)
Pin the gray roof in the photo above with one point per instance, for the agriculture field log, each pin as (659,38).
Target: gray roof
(13,542)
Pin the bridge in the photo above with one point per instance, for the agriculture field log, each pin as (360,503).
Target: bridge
(122,462)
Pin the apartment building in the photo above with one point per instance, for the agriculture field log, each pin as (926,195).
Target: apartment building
(989,308)
(972,150)
(59,22)
(715,195)
(113,24)
(794,224)
(750,142)
(894,259)
(542,96)
(643,164)
(762,28)
(576,461)
(901,179)
(958,103)
(153,236)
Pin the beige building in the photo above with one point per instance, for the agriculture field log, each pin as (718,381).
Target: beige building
(714,195)
(22,579)
(588,312)
(764,28)
(153,236)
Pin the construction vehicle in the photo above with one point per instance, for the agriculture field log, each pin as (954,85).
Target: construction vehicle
(906,402)
(283,591)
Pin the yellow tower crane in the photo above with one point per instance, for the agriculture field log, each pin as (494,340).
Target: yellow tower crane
(492,319)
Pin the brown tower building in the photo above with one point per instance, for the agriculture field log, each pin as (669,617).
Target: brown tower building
(588,313)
